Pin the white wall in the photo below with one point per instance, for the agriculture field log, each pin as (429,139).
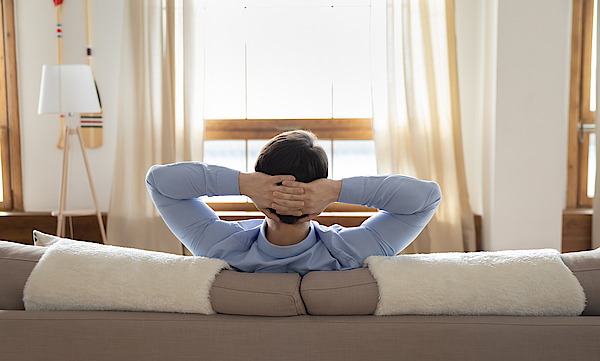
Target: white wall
(469,24)
(515,99)
(36,46)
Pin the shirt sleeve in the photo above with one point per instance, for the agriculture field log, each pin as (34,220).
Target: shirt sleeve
(406,205)
(175,190)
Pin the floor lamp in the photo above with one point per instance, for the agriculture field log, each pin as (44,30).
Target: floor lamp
(68,90)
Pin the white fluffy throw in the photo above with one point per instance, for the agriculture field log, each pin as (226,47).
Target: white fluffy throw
(73,275)
(522,283)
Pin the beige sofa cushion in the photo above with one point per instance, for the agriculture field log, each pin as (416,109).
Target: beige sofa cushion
(260,294)
(16,263)
(586,267)
(355,292)
(352,292)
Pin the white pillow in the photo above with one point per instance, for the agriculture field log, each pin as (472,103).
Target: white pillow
(47,240)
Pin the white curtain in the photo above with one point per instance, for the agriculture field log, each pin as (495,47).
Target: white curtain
(154,128)
(419,134)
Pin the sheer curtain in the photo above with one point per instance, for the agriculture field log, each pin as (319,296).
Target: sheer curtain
(419,134)
(152,127)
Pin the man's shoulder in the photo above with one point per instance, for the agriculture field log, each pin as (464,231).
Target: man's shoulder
(321,229)
(249,224)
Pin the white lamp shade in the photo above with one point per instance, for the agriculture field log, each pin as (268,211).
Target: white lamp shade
(68,89)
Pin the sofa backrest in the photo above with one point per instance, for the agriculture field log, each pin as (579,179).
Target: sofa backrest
(352,292)
(16,263)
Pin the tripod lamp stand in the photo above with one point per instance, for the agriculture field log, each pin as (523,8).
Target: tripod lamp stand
(69,90)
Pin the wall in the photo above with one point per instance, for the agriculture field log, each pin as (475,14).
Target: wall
(469,40)
(513,69)
(36,46)
(515,99)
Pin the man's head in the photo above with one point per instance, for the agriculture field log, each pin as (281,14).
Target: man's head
(297,153)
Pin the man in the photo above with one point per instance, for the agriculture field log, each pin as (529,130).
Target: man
(291,188)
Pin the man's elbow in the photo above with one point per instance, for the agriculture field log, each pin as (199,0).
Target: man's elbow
(436,193)
(435,196)
(150,176)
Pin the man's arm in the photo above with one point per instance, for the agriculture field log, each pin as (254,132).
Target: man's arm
(175,190)
(407,204)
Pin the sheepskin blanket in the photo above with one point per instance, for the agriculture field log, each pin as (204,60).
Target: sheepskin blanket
(523,283)
(75,275)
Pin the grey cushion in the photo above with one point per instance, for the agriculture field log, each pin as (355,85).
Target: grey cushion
(16,263)
(352,292)
(259,294)
(586,267)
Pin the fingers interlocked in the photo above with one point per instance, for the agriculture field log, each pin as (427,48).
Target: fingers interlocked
(286,200)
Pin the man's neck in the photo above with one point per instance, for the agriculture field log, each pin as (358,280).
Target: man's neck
(282,234)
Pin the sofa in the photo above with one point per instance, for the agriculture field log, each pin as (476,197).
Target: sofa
(321,316)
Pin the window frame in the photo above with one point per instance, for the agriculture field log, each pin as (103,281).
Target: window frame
(10,137)
(579,100)
(325,129)
(245,129)
(260,129)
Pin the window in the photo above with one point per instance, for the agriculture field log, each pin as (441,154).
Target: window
(273,66)
(582,107)
(11,195)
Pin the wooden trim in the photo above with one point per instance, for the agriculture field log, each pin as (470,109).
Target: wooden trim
(9,113)
(573,158)
(586,115)
(249,207)
(18,226)
(584,200)
(577,230)
(6,204)
(13,104)
(348,128)
(4,130)
(574,99)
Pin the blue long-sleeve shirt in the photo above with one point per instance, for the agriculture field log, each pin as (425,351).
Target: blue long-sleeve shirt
(406,205)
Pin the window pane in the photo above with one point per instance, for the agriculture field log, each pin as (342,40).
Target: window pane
(227,153)
(288,72)
(351,58)
(591,180)
(225,95)
(326,145)
(593,72)
(316,64)
(353,158)
(254,147)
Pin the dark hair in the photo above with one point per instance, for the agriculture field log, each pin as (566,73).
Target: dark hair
(297,153)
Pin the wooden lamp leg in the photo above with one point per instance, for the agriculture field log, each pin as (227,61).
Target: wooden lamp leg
(89,174)
(60,228)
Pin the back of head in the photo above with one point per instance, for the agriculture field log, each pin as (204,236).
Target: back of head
(297,153)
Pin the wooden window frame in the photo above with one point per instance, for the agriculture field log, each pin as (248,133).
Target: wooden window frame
(10,137)
(325,129)
(334,129)
(579,100)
